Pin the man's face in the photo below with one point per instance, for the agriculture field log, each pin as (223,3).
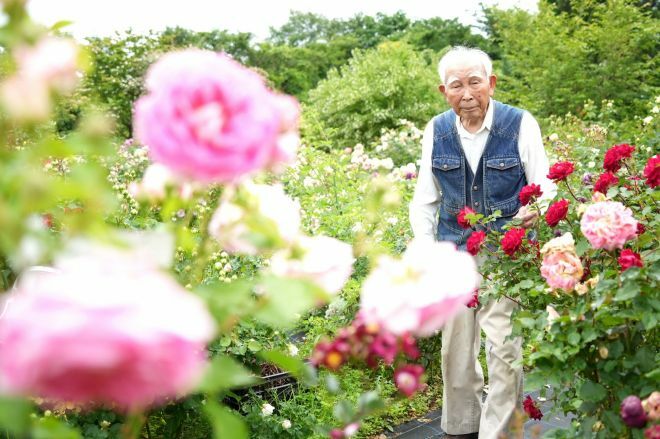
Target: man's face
(468,90)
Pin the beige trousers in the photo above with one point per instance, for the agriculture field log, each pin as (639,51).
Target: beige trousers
(462,408)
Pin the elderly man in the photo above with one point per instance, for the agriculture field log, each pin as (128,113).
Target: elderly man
(478,154)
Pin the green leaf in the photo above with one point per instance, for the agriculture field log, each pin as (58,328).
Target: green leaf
(227,301)
(61,24)
(226,424)
(574,338)
(51,428)
(291,364)
(628,291)
(581,246)
(343,411)
(254,346)
(15,415)
(284,300)
(226,373)
(590,391)
(369,402)
(526,284)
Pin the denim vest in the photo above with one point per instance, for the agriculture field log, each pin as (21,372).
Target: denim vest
(499,178)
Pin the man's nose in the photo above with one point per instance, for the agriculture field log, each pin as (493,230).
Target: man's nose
(467,96)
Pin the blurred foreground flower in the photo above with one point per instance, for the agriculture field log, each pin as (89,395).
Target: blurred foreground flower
(420,292)
(255,217)
(632,412)
(322,260)
(207,117)
(107,327)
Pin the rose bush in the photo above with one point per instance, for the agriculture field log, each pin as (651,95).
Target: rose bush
(588,303)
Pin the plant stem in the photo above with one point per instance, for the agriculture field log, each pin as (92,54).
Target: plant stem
(132,426)
(571,191)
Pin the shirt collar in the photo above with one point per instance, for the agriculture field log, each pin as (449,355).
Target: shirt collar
(486,125)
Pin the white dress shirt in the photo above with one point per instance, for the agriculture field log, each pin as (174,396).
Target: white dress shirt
(424,206)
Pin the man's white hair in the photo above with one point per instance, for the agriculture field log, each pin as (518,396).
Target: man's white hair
(462,55)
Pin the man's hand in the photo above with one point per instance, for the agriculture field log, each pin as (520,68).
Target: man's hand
(527,217)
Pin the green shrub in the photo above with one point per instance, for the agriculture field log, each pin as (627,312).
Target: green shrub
(372,92)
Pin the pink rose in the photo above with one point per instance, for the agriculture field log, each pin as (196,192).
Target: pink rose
(208,117)
(562,270)
(322,260)
(422,290)
(608,225)
(53,61)
(104,328)
(561,267)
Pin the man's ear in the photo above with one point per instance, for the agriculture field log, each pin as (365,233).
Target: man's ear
(442,89)
(492,80)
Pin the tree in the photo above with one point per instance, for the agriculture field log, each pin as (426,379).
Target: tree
(376,89)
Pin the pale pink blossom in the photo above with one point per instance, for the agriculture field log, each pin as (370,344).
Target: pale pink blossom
(208,117)
(254,217)
(52,61)
(421,291)
(322,260)
(155,181)
(104,328)
(552,315)
(25,100)
(608,225)
(561,267)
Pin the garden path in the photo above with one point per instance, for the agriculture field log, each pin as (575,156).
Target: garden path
(428,427)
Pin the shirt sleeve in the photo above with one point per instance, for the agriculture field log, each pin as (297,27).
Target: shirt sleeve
(534,158)
(423,209)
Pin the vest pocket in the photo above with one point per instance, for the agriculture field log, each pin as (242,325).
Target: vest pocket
(502,163)
(446,163)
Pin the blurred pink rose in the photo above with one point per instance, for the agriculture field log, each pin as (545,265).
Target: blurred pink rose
(422,290)
(325,261)
(255,217)
(608,225)
(52,61)
(561,266)
(208,117)
(105,328)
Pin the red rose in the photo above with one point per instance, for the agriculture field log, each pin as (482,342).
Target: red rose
(475,241)
(529,193)
(629,258)
(512,240)
(532,409)
(640,228)
(652,171)
(461,217)
(605,181)
(560,170)
(556,212)
(474,302)
(615,155)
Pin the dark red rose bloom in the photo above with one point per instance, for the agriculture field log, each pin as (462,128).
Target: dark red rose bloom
(556,212)
(640,229)
(652,171)
(475,241)
(512,240)
(632,412)
(560,171)
(529,193)
(532,409)
(460,218)
(629,258)
(615,155)
(653,432)
(409,346)
(605,181)
(474,302)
